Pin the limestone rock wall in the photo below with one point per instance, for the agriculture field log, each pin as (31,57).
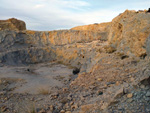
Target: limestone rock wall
(25,47)
(62,37)
(127,34)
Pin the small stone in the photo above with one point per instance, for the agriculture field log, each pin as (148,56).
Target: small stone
(6,98)
(55,95)
(74,106)
(62,111)
(71,103)
(32,99)
(65,89)
(142,86)
(132,79)
(42,111)
(148,110)
(100,79)
(2,92)
(130,100)
(146,87)
(130,95)
(4,108)
(51,107)
(125,91)
(68,112)
(117,83)
(148,94)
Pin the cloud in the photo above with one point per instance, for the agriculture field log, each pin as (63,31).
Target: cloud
(58,14)
(38,6)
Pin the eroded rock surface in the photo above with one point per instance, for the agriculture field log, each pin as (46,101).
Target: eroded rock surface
(129,31)
(12,24)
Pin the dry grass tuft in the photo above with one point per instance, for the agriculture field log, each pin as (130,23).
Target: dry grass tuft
(44,91)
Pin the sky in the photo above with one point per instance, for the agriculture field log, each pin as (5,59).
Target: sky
(46,15)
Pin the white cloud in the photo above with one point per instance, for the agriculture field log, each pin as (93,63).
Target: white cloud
(38,6)
(57,14)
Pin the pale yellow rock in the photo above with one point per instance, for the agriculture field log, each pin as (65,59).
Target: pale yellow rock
(62,111)
(130,95)
(68,112)
(117,83)
(100,79)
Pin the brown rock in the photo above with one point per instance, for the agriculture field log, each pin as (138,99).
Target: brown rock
(68,112)
(100,79)
(42,111)
(74,106)
(129,31)
(130,95)
(62,111)
(12,24)
(4,108)
(86,108)
(51,107)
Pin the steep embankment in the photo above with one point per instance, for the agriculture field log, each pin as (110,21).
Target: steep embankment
(126,34)
(25,47)
(129,31)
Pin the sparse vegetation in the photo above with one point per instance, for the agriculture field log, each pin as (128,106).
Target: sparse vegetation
(31,108)
(44,91)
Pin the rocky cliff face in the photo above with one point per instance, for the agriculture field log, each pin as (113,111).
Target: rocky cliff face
(67,46)
(129,31)
(126,35)
(12,24)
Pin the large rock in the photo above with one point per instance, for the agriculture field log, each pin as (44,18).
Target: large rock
(129,31)
(12,24)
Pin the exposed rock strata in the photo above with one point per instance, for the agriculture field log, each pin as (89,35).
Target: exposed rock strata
(126,34)
(25,47)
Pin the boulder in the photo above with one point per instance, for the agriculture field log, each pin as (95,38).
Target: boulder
(12,24)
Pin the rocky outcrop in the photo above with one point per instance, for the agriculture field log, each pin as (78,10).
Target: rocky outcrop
(126,33)
(12,24)
(102,27)
(129,31)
